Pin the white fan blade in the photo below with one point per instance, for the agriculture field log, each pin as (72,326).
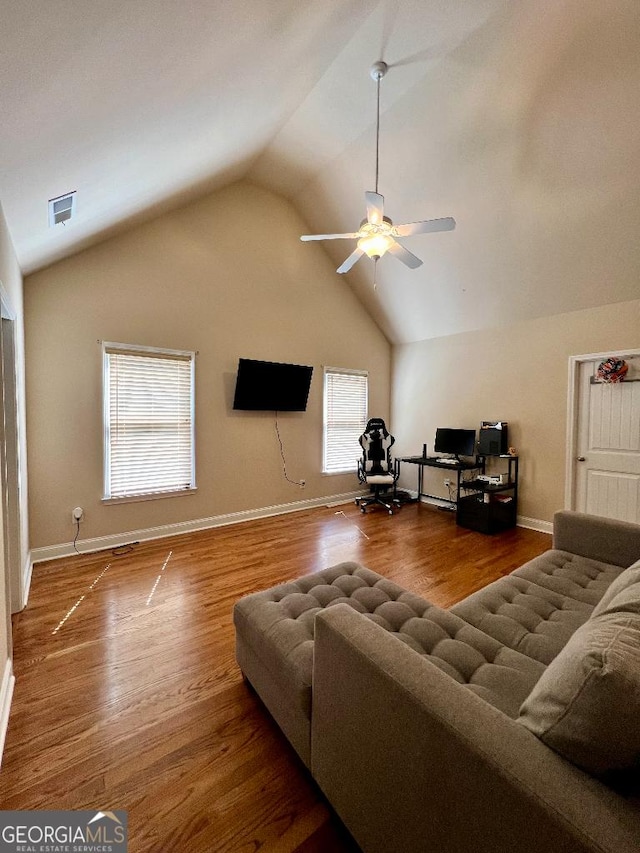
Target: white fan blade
(447,223)
(353,257)
(404,255)
(375,207)
(330,236)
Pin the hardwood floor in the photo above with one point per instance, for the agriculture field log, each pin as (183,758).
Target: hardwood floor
(128,695)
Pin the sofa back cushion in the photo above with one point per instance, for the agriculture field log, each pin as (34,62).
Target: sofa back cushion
(624,590)
(586,705)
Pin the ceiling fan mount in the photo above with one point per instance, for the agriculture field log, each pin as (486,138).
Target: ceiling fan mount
(377,234)
(378,70)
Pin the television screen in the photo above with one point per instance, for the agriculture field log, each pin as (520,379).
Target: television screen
(271,386)
(459,442)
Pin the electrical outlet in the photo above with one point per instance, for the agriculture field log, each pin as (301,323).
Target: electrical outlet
(447,481)
(303,483)
(77,514)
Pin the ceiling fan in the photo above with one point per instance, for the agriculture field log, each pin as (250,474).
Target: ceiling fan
(377,234)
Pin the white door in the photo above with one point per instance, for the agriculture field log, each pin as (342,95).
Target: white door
(607,472)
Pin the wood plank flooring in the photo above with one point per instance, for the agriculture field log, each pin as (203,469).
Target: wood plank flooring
(128,695)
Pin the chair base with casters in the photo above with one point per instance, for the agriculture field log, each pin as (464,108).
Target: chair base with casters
(380,494)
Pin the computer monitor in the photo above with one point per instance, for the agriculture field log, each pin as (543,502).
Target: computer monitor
(457,442)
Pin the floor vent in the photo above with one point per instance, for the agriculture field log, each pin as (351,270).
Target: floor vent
(62,208)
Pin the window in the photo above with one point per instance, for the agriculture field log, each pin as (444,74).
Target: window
(345,418)
(148,421)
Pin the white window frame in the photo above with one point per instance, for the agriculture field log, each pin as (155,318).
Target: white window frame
(328,466)
(109,347)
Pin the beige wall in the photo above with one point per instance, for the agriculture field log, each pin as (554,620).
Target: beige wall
(518,374)
(228,277)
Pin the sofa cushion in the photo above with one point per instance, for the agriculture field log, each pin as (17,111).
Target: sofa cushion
(586,706)
(526,617)
(625,589)
(577,577)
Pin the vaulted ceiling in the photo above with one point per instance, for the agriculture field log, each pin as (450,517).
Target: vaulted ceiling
(520,119)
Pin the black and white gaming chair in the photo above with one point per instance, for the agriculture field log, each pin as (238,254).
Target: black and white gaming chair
(376,468)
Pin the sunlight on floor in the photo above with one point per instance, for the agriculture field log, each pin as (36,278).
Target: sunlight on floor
(155,586)
(80,600)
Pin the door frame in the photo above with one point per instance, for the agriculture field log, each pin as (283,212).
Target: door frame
(10,479)
(572,415)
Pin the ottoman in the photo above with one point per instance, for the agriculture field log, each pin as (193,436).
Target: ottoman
(275,634)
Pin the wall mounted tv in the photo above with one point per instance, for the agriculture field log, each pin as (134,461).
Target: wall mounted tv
(271,386)
(457,442)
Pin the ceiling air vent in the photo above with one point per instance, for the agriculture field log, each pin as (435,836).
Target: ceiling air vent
(62,208)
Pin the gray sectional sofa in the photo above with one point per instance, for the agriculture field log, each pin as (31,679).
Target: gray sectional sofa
(510,722)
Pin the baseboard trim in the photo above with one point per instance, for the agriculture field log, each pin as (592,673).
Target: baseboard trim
(103,543)
(442,503)
(535,524)
(6,694)
(521,521)
(117,540)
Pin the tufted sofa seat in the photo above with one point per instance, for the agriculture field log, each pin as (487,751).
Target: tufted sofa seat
(462,729)
(535,618)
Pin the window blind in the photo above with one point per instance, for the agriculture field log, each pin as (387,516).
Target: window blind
(345,418)
(148,399)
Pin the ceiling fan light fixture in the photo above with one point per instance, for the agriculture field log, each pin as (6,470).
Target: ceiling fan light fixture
(375,245)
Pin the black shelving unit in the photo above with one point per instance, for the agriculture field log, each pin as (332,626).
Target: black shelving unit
(490,507)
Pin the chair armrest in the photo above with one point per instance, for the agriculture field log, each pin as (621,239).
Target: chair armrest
(598,538)
(412,760)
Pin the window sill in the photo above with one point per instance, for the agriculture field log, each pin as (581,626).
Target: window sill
(149,496)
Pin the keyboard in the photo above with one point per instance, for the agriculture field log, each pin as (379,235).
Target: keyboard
(446,461)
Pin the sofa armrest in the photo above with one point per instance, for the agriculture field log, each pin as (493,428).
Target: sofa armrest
(412,760)
(603,539)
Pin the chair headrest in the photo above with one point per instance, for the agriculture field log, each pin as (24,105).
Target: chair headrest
(376,424)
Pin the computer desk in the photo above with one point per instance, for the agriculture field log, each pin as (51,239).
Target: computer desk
(436,462)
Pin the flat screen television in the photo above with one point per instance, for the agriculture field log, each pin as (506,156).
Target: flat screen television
(457,442)
(271,386)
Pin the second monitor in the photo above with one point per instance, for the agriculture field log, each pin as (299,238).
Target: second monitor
(457,442)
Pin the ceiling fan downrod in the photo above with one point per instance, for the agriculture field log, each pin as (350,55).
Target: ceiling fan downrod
(377,72)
